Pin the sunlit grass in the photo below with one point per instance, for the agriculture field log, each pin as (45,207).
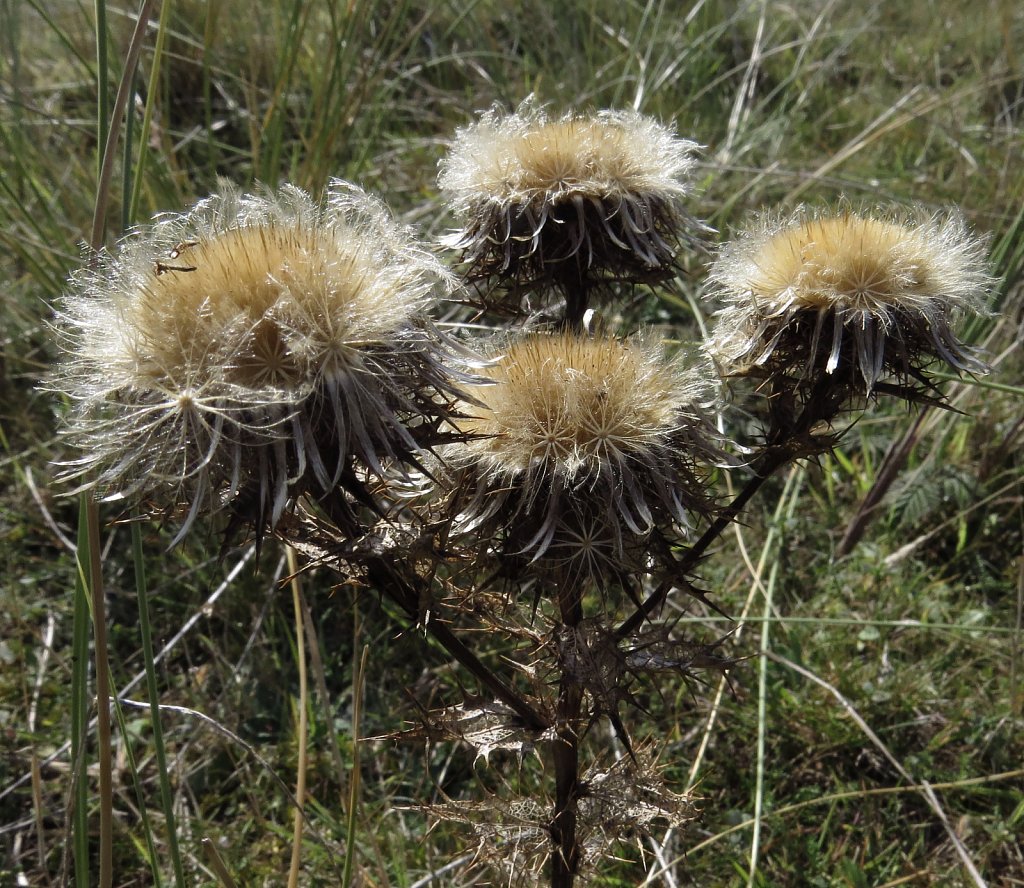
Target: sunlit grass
(918,628)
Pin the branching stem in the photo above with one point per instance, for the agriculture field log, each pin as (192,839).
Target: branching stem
(386,579)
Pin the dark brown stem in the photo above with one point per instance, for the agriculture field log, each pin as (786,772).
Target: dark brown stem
(385,581)
(766,466)
(565,860)
(577,300)
(385,578)
(788,439)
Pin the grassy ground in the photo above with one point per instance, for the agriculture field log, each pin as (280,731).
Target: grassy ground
(875,734)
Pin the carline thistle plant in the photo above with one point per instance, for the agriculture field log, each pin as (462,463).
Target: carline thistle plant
(263,347)
(566,204)
(251,349)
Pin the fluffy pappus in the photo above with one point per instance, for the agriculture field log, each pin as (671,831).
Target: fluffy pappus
(567,202)
(253,348)
(859,297)
(581,447)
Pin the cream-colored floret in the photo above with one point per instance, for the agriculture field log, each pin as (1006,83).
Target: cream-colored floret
(522,157)
(572,403)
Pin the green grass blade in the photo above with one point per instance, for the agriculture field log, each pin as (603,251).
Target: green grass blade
(80,704)
(112,134)
(358,679)
(140,795)
(102,79)
(126,168)
(104,745)
(147,115)
(159,749)
(784,510)
(63,38)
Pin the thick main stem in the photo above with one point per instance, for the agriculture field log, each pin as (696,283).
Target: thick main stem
(565,860)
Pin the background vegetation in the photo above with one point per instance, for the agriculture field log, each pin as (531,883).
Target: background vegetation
(870,675)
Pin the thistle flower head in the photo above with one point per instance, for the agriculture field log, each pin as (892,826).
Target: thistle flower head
(256,345)
(580,448)
(551,202)
(856,296)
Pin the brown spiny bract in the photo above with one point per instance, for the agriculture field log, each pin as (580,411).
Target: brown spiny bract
(621,803)
(545,202)
(857,297)
(250,348)
(581,447)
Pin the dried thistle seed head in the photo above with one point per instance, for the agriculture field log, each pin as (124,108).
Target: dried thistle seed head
(555,202)
(857,296)
(254,346)
(579,448)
